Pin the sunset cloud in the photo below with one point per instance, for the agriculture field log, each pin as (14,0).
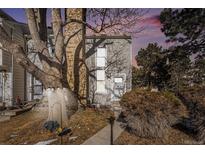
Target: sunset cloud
(152,21)
(151,33)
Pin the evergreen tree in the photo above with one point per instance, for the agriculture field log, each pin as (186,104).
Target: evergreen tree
(179,65)
(186,27)
(153,64)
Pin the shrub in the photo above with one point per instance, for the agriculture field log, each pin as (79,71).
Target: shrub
(194,99)
(149,114)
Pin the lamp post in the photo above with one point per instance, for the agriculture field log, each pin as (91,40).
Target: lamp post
(111,121)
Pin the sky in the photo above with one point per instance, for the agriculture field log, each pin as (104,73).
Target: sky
(151,33)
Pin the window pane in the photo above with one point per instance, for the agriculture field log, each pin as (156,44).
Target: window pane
(101,52)
(38,90)
(118,80)
(36,82)
(101,87)
(100,62)
(100,74)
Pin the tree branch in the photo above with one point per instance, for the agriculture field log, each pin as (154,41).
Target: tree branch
(19,54)
(58,34)
(32,24)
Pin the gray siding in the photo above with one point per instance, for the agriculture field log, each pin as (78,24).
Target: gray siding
(7,60)
(17,78)
(118,65)
(18,71)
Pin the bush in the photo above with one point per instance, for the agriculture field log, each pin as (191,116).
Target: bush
(195,94)
(149,114)
(194,99)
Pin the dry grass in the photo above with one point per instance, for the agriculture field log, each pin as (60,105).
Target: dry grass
(188,114)
(28,127)
(150,114)
(172,137)
(195,94)
(87,123)
(194,99)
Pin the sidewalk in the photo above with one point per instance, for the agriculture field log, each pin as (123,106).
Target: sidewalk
(103,136)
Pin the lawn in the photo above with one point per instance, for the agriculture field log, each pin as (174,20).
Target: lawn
(28,128)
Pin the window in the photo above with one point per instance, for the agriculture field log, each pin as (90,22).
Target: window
(37,90)
(100,74)
(100,62)
(101,52)
(118,80)
(37,87)
(101,81)
(101,87)
(101,57)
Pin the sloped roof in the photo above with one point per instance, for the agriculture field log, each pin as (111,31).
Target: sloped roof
(23,26)
(6,16)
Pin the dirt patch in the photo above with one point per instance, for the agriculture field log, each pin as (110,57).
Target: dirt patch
(28,128)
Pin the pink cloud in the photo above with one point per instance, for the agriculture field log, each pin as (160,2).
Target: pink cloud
(153,20)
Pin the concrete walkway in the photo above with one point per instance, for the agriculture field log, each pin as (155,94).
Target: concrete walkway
(103,136)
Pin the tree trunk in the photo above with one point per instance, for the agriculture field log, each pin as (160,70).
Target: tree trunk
(61,100)
(62,103)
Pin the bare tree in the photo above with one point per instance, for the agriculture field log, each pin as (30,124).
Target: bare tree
(54,68)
